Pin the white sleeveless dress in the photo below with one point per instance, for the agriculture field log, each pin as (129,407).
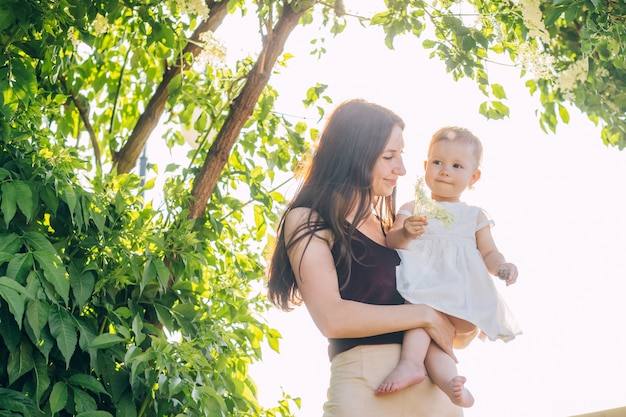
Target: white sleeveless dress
(444,269)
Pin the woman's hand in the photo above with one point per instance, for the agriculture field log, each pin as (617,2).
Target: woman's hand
(441,331)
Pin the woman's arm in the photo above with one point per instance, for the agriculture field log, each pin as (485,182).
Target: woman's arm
(315,272)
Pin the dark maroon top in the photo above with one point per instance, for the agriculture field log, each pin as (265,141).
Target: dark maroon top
(373,281)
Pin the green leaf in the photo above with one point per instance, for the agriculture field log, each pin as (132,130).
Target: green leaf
(58,397)
(19,266)
(45,342)
(25,80)
(7,17)
(147,273)
(12,292)
(551,15)
(37,316)
(165,316)
(50,199)
(498,91)
(82,285)
(163,273)
(64,332)
(12,400)
(20,361)
(9,329)
(25,201)
(563,113)
(9,201)
(501,109)
(54,272)
(38,242)
(137,330)
(96,413)
(42,377)
(87,382)
(468,44)
(572,13)
(126,406)
(138,361)
(10,243)
(68,195)
(105,340)
(174,86)
(83,401)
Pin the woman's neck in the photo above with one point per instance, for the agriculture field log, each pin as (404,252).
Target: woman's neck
(373,229)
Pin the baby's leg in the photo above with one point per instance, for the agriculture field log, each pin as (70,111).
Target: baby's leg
(442,370)
(410,369)
(465,332)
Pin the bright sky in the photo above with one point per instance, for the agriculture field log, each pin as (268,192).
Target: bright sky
(558,202)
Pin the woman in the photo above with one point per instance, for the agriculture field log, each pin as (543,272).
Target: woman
(330,254)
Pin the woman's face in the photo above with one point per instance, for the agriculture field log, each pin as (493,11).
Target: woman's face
(389,165)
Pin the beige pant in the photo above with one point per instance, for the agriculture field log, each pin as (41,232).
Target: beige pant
(356,374)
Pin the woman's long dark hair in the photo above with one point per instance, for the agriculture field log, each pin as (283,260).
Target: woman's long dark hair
(337,181)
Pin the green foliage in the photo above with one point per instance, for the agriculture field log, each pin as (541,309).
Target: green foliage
(107,310)
(570,51)
(112,307)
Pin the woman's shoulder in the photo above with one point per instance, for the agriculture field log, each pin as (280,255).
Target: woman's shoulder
(298,216)
(300,219)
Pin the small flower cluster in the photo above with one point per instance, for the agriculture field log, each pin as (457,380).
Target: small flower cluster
(424,206)
(538,63)
(213,50)
(194,7)
(531,14)
(100,25)
(571,76)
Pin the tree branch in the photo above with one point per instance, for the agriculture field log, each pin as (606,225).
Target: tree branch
(84,116)
(241,109)
(126,159)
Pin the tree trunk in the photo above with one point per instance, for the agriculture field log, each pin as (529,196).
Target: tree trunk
(126,159)
(241,109)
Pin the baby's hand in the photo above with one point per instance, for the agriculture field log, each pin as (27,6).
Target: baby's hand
(508,273)
(414,226)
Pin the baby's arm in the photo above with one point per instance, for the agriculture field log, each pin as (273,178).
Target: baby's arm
(405,228)
(494,260)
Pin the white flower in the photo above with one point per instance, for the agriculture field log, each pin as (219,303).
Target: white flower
(425,207)
(536,62)
(71,34)
(531,14)
(213,50)
(100,25)
(194,7)
(572,75)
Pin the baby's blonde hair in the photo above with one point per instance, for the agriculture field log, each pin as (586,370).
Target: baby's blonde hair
(462,134)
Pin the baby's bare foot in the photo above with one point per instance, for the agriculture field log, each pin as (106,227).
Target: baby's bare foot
(403,375)
(459,394)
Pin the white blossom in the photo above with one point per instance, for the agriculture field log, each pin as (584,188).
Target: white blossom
(71,34)
(213,50)
(602,72)
(534,61)
(424,206)
(100,25)
(194,7)
(568,78)
(531,14)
